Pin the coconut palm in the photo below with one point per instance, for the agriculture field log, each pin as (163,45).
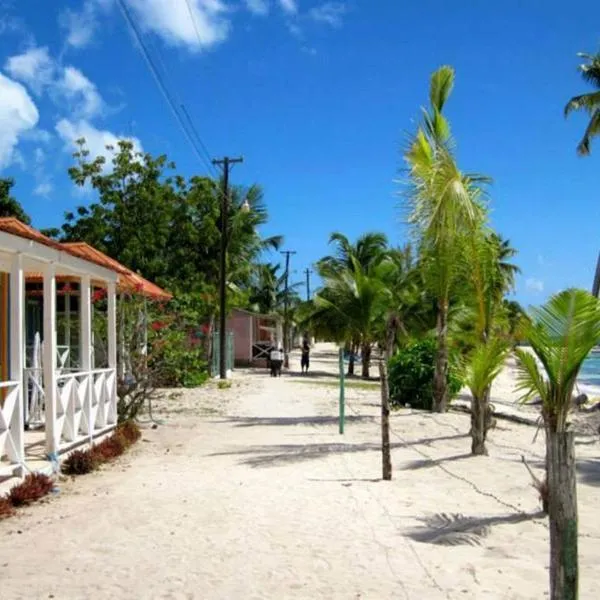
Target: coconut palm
(561,334)
(357,296)
(590,102)
(484,365)
(368,250)
(445,206)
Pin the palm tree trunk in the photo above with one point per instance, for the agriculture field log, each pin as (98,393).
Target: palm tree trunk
(481,420)
(440,376)
(352,347)
(384,357)
(564,578)
(366,360)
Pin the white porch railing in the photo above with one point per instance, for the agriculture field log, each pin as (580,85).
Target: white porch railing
(9,426)
(86,405)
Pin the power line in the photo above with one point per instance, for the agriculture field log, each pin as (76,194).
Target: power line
(160,82)
(195,132)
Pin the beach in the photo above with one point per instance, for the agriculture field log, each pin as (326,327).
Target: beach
(250,492)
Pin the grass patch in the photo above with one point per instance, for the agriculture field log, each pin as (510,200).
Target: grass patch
(224,384)
(349,383)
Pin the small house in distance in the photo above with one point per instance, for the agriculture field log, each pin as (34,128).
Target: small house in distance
(253,336)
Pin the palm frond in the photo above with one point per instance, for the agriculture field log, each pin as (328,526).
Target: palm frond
(485,364)
(592,130)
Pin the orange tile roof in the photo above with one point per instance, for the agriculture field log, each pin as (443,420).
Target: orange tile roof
(128,279)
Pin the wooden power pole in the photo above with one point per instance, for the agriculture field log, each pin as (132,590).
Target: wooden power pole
(225,163)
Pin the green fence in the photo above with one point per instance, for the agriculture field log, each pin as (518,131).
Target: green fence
(216,352)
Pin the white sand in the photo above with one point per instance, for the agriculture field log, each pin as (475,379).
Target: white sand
(251,493)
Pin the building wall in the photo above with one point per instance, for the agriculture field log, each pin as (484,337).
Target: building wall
(241,325)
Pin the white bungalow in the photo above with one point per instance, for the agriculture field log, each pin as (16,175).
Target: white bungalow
(79,398)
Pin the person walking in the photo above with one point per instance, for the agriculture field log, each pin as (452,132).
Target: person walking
(276,360)
(305,360)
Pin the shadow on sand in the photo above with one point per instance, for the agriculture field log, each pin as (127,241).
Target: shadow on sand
(278,421)
(454,529)
(285,454)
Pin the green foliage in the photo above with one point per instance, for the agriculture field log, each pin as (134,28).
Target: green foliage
(177,361)
(224,385)
(588,103)
(484,365)
(411,372)
(561,334)
(9,206)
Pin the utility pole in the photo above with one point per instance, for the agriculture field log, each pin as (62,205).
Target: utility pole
(225,163)
(308,272)
(286,300)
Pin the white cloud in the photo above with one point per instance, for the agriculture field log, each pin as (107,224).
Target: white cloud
(64,85)
(96,139)
(330,13)
(534,285)
(290,6)
(80,92)
(172,21)
(43,189)
(39,155)
(295,30)
(80,26)
(257,7)
(18,114)
(34,67)
(37,135)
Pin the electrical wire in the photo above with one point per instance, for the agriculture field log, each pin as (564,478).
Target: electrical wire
(161,84)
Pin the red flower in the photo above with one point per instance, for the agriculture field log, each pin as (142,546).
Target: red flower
(139,287)
(98,295)
(158,325)
(66,288)
(206,329)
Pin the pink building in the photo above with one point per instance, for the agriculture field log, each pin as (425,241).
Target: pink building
(253,335)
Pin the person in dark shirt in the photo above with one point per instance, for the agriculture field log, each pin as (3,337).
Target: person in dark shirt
(305,361)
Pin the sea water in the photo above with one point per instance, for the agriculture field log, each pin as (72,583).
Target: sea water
(590,370)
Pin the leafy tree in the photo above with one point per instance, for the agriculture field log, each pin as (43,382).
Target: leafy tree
(590,102)
(561,334)
(445,207)
(10,206)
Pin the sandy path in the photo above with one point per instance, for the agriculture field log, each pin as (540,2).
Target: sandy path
(251,493)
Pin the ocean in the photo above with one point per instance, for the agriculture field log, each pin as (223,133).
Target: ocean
(590,370)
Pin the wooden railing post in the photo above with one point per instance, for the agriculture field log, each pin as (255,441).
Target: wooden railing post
(85,348)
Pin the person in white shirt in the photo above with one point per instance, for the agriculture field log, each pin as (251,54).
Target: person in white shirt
(276,360)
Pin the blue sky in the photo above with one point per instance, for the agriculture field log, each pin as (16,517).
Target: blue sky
(318,96)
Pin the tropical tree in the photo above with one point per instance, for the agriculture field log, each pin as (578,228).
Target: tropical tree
(589,102)
(10,206)
(485,364)
(445,207)
(561,334)
(369,250)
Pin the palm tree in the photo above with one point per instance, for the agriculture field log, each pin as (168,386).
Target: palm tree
(561,334)
(485,364)
(590,102)
(369,250)
(356,296)
(444,208)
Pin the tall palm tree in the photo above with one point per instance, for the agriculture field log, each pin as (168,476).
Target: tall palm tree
(445,206)
(590,102)
(357,296)
(561,334)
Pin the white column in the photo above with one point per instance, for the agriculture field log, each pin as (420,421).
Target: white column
(49,360)
(112,351)
(85,348)
(17,355)
(112,326)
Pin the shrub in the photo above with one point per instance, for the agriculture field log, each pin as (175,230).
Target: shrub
(129,431)
(6,508)
(109,448)
(411,372)
(32,488)
(79,462)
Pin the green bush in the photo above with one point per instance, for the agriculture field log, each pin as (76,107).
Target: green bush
(411,372)
(176,361)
